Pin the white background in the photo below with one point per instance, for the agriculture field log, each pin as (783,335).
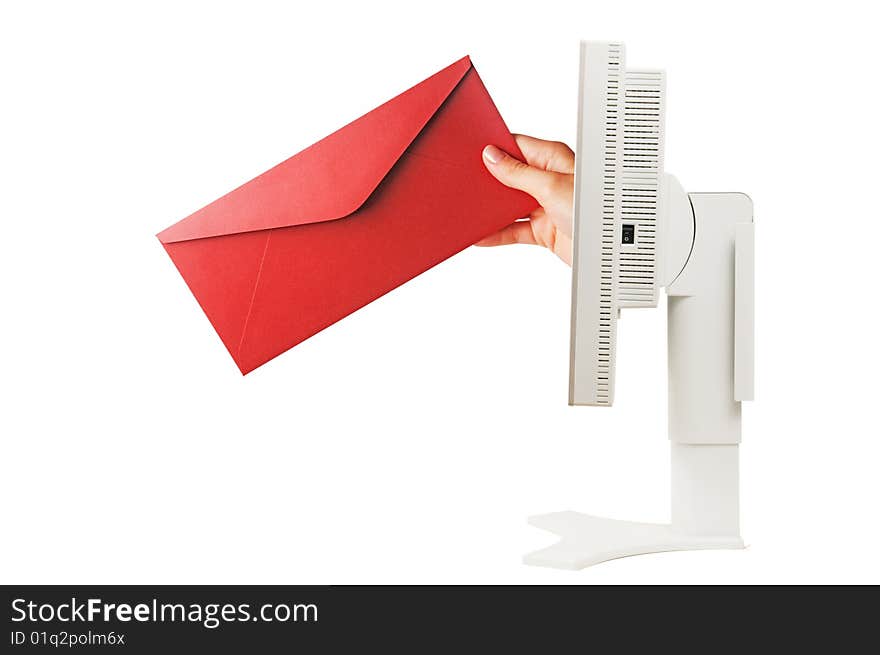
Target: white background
(408,443)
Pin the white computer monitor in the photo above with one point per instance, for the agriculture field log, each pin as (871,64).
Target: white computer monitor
(635,231)
(618,205)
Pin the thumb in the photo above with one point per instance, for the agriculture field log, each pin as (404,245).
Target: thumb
(511,172)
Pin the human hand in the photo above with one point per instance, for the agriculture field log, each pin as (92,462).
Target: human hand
(548,176)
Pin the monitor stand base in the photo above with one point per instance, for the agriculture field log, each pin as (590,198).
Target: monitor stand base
(588,540)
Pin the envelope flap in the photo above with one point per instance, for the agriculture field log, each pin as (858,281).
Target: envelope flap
(331,178)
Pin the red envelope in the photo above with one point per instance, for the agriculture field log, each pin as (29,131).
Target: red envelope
(348,219)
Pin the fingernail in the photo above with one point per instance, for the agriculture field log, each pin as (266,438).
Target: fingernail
(493,154)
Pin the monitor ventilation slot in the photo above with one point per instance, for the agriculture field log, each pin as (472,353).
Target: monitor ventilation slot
(614,90)
(638,198)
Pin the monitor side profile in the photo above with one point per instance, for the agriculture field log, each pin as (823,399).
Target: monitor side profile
(635,230)
(619,224)
(594,255)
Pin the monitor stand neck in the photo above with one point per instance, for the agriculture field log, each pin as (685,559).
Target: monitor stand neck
(710,339)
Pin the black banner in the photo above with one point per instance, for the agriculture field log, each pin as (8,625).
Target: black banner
(276,619)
